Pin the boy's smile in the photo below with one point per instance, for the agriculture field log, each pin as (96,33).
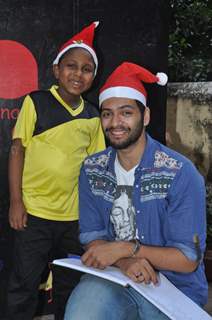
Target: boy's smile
(75,74)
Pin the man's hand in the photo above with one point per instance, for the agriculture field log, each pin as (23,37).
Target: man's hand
(138,269)
(17,215)
(106,254)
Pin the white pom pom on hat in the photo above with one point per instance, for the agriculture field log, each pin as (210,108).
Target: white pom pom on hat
(162,78)
(83,39)
(126,82)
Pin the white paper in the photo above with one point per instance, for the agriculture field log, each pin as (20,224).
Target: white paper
(170,300)
(165,296)
(110,273)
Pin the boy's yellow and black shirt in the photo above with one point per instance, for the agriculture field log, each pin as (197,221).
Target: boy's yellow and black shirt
(57,139)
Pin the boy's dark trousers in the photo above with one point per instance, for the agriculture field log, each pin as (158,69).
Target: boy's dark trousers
(40,242)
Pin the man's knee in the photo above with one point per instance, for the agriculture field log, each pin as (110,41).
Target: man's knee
(96,298)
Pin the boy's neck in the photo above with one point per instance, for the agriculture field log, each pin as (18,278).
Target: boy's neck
(74,104)
(71,100)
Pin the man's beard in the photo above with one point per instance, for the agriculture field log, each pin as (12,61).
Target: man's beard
(133,137)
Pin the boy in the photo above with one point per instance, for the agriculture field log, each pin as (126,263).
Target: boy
(55,131)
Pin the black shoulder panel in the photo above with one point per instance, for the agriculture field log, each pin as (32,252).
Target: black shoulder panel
(90,110)
(50,112)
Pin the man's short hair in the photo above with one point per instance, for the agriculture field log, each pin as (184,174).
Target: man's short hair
(141,106)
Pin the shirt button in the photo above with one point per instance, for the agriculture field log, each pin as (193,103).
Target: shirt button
(137,186)
(138,211)
(142,237)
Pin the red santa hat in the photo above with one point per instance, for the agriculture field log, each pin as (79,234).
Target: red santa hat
(83,39)
(126,82)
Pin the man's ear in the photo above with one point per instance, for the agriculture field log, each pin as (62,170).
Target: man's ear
(146,116)
(56,70)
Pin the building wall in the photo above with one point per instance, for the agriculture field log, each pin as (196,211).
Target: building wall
(189,130)
(189,123)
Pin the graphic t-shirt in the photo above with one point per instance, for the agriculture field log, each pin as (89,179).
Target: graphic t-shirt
(123,212)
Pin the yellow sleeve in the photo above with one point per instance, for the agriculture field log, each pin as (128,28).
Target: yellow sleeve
(26,120)
(97,139)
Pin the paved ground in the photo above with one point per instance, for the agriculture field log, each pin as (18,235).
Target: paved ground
(208,307)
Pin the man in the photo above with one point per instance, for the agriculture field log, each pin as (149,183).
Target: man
(168,197)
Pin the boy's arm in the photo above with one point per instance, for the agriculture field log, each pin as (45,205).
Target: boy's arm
(22,135)
(17,212)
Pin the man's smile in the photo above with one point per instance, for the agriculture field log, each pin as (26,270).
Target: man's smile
(117,133)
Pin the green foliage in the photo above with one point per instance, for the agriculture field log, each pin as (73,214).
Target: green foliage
(190,41)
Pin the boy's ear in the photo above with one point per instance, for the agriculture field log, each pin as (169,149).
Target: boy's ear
(56,71)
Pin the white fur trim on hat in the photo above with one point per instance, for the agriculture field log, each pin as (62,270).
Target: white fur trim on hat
(78,45)
(162,78)
(122,92)
(96,23)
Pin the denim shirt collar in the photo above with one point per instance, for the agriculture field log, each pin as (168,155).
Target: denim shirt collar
(147,160)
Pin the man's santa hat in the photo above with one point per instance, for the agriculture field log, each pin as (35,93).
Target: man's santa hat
(83,39)
(126,82)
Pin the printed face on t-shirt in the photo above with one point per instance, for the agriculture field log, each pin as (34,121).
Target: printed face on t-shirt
(123,214)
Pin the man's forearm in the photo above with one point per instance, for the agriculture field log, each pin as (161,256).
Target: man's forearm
(101,253)
(161,258)
(164,258)
(94,243)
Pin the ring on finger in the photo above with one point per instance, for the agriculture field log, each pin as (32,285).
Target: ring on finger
(138,275)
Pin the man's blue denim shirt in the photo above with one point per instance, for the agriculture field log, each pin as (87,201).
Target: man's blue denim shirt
(169,199)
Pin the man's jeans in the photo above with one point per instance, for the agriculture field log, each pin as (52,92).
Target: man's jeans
(95,298)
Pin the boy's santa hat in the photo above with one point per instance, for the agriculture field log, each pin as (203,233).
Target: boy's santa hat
(83,39)
(126,82)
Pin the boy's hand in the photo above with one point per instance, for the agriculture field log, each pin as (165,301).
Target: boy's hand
(138,269)
(17,215)
(106,254)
